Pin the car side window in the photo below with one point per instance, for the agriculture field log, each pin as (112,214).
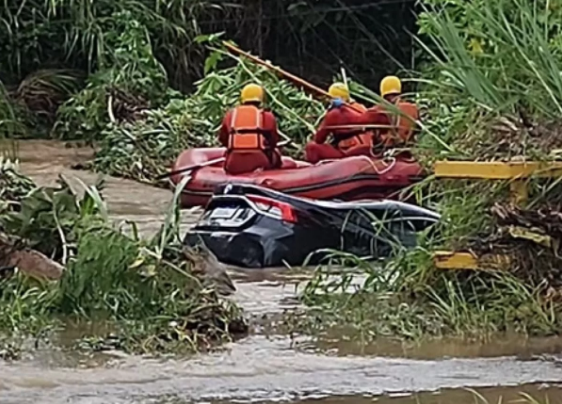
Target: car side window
(357,234)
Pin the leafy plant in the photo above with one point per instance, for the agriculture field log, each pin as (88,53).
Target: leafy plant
(129,81)
(13,186)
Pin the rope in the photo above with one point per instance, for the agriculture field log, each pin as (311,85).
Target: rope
(371,162)
(384,170)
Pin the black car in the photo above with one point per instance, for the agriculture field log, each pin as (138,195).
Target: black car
(256,227)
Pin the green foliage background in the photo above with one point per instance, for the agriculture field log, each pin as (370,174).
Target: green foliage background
(63,61)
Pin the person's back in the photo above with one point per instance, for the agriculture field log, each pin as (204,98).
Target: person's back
(250,135)
(406,123)
(335,123)
(356,136)
(401,126)
(342,123)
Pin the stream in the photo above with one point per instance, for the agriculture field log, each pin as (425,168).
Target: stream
(262,367)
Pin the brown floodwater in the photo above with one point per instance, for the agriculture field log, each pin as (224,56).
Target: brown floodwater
(263,367)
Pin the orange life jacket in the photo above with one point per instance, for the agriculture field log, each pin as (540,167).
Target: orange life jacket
(403,126)
(246,130)
(359,138)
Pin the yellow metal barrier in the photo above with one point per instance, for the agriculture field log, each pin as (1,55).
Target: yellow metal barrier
(517,173)
(468,260)
(496,170)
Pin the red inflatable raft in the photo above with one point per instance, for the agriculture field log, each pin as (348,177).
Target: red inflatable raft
(351,178)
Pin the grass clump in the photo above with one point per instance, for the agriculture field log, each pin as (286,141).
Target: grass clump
(406,298)
(149,295)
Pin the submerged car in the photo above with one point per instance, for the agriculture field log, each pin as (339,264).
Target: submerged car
(255,227)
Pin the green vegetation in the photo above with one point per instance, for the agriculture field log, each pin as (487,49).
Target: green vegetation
(75,71)
(150,295)
(493,92)
(110,73)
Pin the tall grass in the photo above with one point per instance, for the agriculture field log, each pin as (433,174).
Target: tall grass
(498,100)
(518,65)
(510,86)
(121,48)
(81,33)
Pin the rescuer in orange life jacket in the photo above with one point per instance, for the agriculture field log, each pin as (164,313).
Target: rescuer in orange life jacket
(250,134)
(346,141)
(402,127)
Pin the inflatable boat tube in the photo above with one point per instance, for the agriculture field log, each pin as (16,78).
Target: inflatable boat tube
(348,179)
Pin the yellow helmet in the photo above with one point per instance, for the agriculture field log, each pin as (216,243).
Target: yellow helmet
(390,85)
(252,93)
(339,90)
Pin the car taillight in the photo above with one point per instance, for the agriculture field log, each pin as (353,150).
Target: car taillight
(271,206)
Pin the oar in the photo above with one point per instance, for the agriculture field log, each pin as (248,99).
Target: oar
(360,127)
(190,168)
(295,79)
(205,164)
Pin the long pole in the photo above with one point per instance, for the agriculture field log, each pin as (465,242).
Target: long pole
(295,79)
(278,70)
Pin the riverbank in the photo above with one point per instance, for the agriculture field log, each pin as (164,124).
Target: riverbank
(145,293)
(353,331)
(482,95)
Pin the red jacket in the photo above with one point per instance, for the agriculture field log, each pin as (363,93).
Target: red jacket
(405,128)
(344,115)
(269,123)
(376,115)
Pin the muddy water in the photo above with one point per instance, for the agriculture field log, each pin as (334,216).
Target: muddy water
(263,367)
(127,200)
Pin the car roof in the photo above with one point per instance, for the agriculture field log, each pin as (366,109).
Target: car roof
(366,204)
